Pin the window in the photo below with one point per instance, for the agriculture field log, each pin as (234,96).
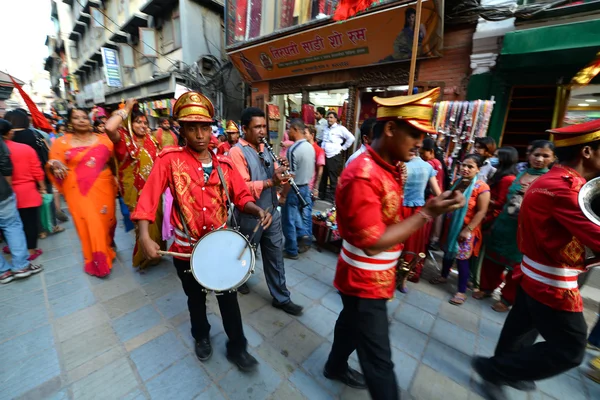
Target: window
(148,42)
(127,59)
(171,33)
(97,18)
(74,51)
(176,30)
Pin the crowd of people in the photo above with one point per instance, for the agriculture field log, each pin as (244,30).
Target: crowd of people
(504,225)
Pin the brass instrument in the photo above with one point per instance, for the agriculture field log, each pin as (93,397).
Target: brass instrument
(589,200)
(405,268)
(269,148)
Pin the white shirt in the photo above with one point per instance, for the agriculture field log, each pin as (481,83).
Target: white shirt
(336,138)
(320,127)
(362,150)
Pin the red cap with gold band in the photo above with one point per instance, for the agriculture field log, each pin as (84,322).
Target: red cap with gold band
(576,134)
(416,109)
(193,107)
(232,127)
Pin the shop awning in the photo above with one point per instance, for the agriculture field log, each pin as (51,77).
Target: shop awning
(568,44)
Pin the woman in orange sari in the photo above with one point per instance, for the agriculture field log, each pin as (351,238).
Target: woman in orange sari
(79,168)
(135,152)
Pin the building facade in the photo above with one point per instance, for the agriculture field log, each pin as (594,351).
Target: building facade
(148,50)
(527,63)
(295,56)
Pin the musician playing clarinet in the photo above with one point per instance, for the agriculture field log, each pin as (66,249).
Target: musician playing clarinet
(192,172)
(257,167)
(552,235)
(369,216)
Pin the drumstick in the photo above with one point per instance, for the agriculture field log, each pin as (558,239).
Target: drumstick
(172,253)
(253,234)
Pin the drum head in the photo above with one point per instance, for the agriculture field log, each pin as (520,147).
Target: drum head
(215,262)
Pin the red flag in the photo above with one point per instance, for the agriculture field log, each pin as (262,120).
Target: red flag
(37,118)
(349,8)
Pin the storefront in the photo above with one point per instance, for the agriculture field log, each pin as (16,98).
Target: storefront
(338,65)
(533,87)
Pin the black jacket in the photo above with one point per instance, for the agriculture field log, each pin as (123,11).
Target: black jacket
(6,169)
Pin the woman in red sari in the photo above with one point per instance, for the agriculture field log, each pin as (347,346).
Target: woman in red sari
(135,152)
(79,168)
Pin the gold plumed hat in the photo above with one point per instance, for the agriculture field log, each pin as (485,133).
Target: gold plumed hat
(576,134)
(416,109)
(232,127)
(193,107)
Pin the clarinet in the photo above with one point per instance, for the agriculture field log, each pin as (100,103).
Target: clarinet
(303,202)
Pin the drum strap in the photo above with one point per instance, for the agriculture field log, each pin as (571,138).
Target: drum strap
(230,213)
(182,219)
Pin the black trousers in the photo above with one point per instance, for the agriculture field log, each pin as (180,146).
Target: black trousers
(30,219)
(363,326)
(331,172)
(518,358)
(228,304)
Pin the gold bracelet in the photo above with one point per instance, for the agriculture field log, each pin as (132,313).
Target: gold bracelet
(123,114)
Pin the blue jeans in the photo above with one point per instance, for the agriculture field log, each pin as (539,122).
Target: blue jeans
(293,219)
(12,229)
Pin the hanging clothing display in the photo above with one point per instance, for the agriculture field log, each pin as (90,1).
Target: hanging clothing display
(461,122)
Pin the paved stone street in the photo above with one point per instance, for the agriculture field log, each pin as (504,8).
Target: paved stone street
(65,335)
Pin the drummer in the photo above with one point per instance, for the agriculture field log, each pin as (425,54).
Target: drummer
(192,174)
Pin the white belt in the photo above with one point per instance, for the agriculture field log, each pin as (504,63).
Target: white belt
(563,278)
(179,234)
(357,258)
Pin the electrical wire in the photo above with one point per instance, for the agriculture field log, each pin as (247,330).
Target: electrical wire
(469,11)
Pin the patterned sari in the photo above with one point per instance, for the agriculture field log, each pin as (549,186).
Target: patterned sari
(135,163)
(90,192)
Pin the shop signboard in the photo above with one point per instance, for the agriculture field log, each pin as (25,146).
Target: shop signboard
(379,37)
(112,72)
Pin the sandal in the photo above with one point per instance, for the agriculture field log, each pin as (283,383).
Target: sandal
(43,235)
(36,254)
(438,280)
(58,229)
(458,299)
(481,294)
(500,307)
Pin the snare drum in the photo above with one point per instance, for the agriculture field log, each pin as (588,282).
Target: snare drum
(216,263)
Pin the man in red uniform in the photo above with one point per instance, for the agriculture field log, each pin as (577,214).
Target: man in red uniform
(369,201)
(553,233)
(192,174)
(233,136)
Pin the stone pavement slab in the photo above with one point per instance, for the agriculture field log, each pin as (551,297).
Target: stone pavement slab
(65,335)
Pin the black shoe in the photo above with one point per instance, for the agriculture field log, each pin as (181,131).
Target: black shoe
(492,390)
(244,361)
(524,386)
(350,377)
(203,349)
(244,289)
(289,256)
(290,307)
(303,249)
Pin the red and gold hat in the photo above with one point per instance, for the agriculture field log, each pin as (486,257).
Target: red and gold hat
(193,107)
(416,109)
(232,127)
(576,134)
